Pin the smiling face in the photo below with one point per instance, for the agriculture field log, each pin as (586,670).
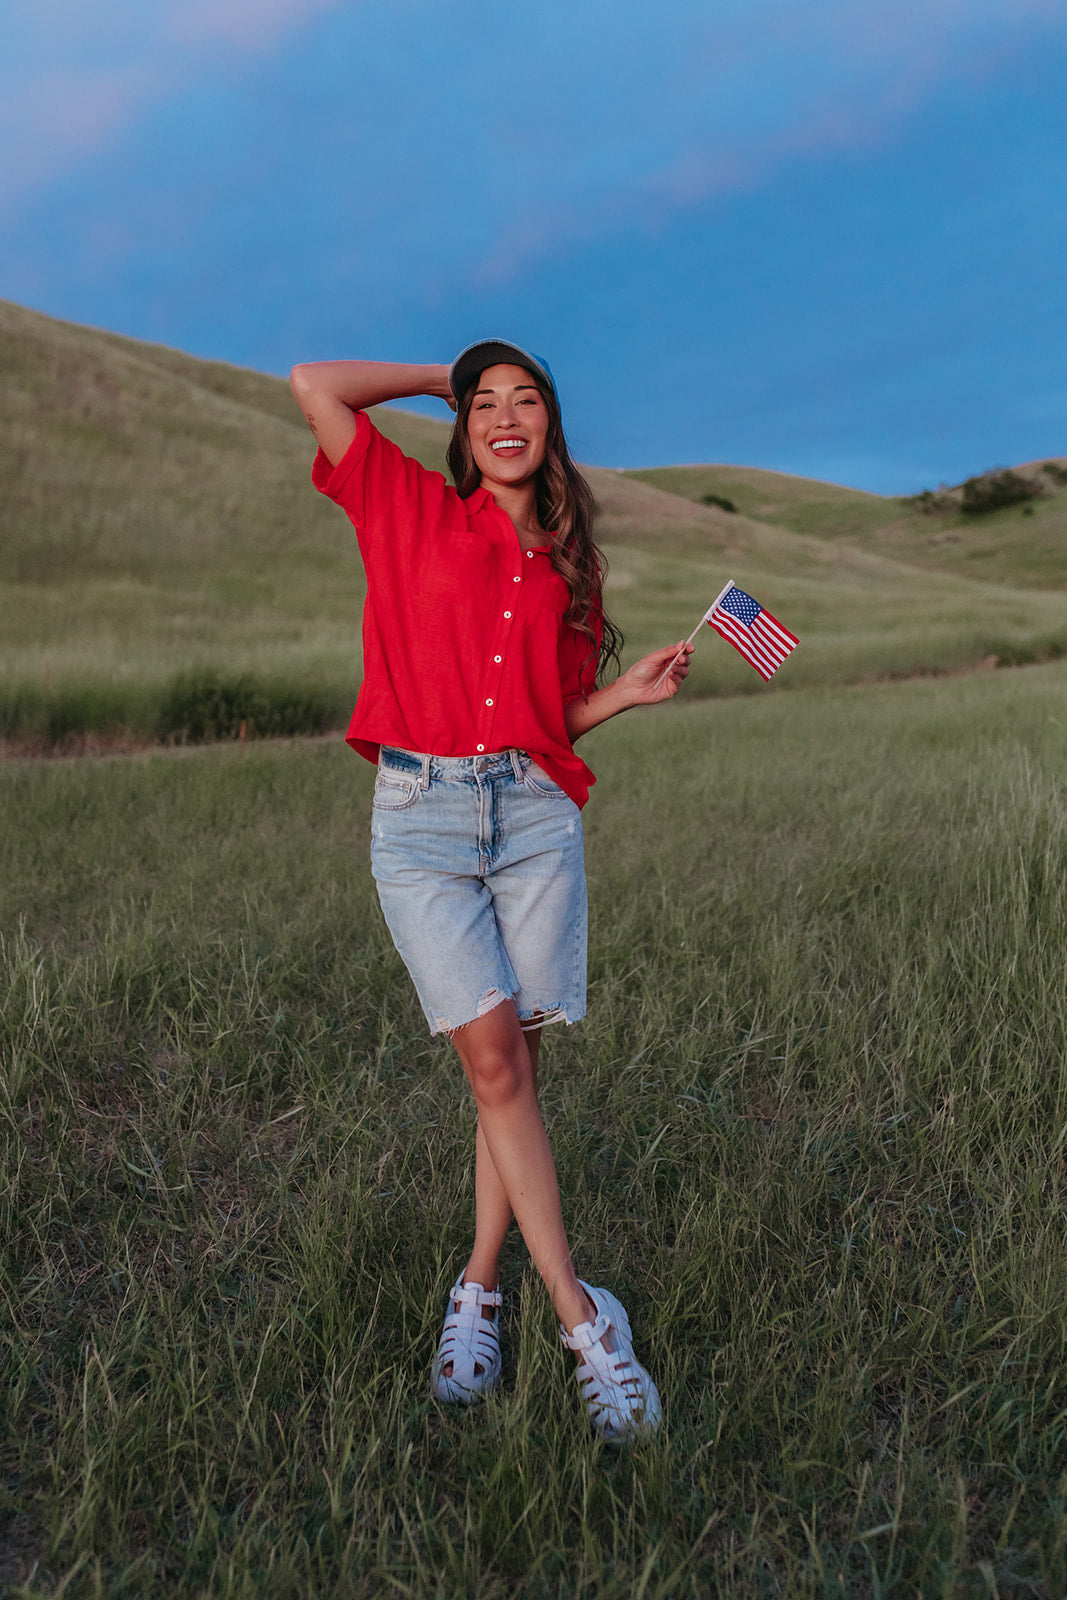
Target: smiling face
(507,426)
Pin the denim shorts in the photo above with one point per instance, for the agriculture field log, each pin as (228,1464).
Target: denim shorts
(481,877)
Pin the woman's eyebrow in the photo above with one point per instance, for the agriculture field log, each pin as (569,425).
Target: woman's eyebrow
(516,390)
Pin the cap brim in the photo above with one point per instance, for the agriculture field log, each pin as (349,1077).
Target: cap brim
(472,362)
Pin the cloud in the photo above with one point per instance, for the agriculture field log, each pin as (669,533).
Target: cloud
(246,25)
(774,82)
(58,118)
(604,118)
(75,78)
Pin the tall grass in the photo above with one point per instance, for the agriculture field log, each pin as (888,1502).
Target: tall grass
(812,1131)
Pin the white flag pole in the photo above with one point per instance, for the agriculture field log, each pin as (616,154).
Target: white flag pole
(678,654)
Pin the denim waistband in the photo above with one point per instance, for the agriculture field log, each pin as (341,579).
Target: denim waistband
(454,769)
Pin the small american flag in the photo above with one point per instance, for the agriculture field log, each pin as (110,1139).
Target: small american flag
(760,637)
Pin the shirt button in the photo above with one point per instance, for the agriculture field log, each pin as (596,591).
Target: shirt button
(529,552)
(516,579)
(507,616)
(498,659)
(488,702)
(480,747)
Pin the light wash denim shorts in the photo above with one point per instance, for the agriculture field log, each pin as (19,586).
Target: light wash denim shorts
(481,876)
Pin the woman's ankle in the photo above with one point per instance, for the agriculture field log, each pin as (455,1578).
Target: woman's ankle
(487,1273)
(573,1306)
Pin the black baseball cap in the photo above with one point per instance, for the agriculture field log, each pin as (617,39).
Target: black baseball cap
(472,362)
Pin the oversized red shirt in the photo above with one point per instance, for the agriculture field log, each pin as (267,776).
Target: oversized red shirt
(465,649)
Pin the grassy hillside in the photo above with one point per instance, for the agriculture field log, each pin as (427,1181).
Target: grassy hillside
(1023,545)
(166,568)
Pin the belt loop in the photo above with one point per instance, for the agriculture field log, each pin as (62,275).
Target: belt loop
(424,782)
(516,763)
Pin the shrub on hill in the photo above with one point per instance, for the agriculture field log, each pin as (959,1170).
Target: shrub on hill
(719,500)
(992,491)
(1055,471)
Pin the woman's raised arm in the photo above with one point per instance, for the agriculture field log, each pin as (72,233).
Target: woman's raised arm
(329,393)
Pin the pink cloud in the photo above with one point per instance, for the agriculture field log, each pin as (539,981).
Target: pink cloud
(249,25)
(87,73)
(53,121)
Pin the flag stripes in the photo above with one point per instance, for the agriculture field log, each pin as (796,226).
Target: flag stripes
(751,629)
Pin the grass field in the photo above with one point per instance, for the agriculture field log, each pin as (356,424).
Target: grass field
(812,1131)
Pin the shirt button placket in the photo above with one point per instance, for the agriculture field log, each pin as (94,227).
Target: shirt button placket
(493,677)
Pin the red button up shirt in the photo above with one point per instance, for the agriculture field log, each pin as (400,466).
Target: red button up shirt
(465,649)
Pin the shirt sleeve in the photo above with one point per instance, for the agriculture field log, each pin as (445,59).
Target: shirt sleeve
(578,658)
(387,495)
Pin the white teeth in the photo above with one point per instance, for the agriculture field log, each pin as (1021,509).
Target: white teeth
(508,444)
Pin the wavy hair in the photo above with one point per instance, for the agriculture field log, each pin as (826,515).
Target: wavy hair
(565,504)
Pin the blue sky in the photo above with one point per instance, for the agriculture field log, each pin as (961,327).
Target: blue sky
(826,236)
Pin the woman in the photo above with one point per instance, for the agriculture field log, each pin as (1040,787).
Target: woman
(483,633)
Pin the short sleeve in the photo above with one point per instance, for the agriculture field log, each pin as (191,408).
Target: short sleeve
(386,494)
(578,659)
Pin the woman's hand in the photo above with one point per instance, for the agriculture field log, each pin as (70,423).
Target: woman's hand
(645,683)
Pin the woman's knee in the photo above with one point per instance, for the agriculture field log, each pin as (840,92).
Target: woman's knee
(498,1077)
(498,1070)
(495,1057)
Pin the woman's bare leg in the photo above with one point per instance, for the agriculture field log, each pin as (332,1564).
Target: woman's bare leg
(492,1208)
(498,1064)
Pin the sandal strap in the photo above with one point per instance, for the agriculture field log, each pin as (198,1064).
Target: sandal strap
(586,1334)
(472,1294)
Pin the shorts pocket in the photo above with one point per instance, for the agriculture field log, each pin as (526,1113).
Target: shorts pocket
(535,778)
(393,791)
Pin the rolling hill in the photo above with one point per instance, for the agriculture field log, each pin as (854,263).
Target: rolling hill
(161,539)
(1023,544)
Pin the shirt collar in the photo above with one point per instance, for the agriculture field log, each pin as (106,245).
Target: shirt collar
(477,501)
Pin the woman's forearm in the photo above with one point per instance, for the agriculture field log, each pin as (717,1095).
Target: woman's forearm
(581,715)
(329,393)
(650,681)
(358,384)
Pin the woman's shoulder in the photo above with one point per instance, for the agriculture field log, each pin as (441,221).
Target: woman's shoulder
(377,473)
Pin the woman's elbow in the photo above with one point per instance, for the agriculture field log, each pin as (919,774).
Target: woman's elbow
(298,382)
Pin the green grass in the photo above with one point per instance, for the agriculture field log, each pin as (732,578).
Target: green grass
(812,1131)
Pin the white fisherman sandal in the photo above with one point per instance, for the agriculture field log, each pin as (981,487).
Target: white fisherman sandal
(470,1345)
(622,1399)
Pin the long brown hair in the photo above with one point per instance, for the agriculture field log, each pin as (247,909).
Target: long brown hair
(565,504)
